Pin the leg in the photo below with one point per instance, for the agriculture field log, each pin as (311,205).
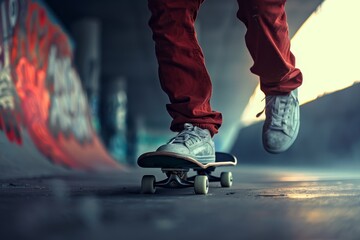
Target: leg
(269,45)
(182,72)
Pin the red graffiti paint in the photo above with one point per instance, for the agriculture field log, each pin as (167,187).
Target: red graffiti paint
(35,100)
(47,99)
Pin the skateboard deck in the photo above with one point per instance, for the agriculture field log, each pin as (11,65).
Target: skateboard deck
(173,160)
(176,168)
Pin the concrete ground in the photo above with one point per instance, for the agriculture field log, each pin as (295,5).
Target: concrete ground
(264,203)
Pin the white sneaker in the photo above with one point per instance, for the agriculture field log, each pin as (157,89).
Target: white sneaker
(282,122)
(194,142)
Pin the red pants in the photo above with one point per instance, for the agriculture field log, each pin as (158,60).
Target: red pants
(182,72)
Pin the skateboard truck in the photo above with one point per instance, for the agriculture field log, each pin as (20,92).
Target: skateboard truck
(176,178)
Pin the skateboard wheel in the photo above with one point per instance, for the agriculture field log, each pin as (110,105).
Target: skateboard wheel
(201,185)
(226,179)
(148,184)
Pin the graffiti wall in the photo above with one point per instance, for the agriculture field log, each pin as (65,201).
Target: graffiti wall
(40,90)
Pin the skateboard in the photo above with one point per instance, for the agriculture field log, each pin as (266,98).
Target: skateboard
(176,168)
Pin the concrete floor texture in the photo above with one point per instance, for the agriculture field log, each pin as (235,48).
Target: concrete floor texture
(263,203)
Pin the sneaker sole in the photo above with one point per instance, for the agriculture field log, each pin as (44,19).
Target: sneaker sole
(204,159)
(201,159)
(286,147)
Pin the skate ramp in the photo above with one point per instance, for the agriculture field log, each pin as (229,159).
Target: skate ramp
(45,126)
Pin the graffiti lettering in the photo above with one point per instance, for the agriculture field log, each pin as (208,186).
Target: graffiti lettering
(40,91)
(13,12)
(6,87)
(68,112)
(6,96)
(7,102)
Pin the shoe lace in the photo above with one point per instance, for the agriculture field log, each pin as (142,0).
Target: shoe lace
(280,110)
(189,135)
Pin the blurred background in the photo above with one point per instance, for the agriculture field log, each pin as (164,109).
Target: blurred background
(310,192)
(115,56)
